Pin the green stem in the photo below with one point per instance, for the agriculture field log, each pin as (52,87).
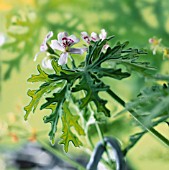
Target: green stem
(61,155)
(101,136)
(151,130)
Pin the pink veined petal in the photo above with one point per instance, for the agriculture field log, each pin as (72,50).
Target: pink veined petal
(77,50)
(94,36)
(62,35)
(84,34)
(57,46)
(73,39)
(85,37)
(105,47)
(46,63)
(43,47)
(63,58)
(48,36)
(103,34)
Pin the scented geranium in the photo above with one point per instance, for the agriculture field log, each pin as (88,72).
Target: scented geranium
(71,93)
(64,44)
(95,37)
(155,44)
(44,47)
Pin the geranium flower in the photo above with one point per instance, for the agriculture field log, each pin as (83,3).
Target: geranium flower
(94,37)
(46,63)
(44,46)
(155,44)
(64,44)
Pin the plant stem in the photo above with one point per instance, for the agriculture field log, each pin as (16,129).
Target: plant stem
(61,155)
(101,136)
(151,130)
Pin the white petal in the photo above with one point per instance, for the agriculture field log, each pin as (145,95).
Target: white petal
(94,36)
(48,36)
(105,47)
(43,47)
(154,51)
(83,34)
(61,35)
(35,58)
(46,63)
(85,37)
(56,46)
(63,58)
(103,34)
(73,39)
(77,50)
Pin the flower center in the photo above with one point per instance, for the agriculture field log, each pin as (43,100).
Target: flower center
(67,42)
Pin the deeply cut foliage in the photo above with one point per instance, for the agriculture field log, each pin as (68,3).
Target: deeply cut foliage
(86,80)
(150,108)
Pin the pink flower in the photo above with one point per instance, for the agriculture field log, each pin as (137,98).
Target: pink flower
(155,44)
(94,37)
(44,46)
(64,44)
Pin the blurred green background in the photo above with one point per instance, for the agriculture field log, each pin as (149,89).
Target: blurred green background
(24,25)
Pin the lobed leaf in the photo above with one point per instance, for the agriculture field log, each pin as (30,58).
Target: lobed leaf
(69,120)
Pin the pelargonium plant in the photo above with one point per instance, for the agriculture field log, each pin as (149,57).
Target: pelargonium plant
(71,89)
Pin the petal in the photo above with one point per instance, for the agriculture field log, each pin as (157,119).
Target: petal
(43,47)
(73,39)
(154,51)
(63,58)
(85,37)
(77,50)
(83,34)
(94,37)
(35,58)
(103,34)
(61,35)
(48,36)
(56,46)
(105,47)
(46,63)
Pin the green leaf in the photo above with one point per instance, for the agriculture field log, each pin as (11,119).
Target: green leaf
(63,74)
(69,120)
(57,100)
(42,76)
(119,55)
(151,105)
(133,140)
(36,95)
(92,88)
(107,72)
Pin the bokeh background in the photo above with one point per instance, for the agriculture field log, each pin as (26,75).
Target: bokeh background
(24,25)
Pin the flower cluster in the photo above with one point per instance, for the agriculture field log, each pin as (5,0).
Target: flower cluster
(64,43)
(157,46)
